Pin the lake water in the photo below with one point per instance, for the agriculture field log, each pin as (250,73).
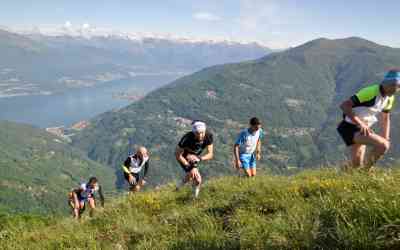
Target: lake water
(75,104)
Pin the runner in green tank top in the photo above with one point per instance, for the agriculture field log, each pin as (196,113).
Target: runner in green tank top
(360,114)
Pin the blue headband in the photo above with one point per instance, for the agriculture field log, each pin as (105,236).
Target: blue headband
(392,75)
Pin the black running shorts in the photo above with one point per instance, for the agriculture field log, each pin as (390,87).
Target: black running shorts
(347,131)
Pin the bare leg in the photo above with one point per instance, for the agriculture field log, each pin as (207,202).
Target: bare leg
(76,205)
(92,205)
(380,146)
(71,203)
(253,171)
(196,182)
(76,210)
(357,155)
(248,172)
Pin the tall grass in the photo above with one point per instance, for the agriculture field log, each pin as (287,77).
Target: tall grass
(319,209)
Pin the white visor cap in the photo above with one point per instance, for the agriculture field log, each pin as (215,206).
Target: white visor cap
(198,127)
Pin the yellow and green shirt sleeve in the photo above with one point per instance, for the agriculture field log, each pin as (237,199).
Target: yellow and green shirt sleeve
(366,96)
(126,164)
(125,169)
(389,105)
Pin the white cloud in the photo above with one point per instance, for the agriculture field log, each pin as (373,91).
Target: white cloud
(67,25)
(206,16)
(85,26)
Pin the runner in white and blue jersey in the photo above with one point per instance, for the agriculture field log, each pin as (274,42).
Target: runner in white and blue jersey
(78,197)
(247,147)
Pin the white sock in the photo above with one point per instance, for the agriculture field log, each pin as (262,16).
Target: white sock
(196,191)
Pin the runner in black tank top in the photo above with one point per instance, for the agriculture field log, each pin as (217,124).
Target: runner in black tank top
(189,153)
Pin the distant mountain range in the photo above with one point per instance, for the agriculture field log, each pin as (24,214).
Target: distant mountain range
(41,63)
(296,94)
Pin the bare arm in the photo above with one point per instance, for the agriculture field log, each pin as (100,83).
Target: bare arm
(146,168)
(179,156)
(210,153)
(236,152)
(258,150)
(385,125)
(126,164)
(101,196)
(347,108)
(125,169)
(74,194)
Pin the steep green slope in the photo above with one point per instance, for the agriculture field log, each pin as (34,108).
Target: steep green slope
(313,210)
(296,93)
(38,169)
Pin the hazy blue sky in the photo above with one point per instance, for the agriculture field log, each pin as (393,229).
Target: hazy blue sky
(275,23)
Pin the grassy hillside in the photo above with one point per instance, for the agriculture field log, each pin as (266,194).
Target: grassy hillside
(322,209)
(38,169)
(296,93)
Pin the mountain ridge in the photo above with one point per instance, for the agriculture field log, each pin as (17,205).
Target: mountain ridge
(295,92)
(34,64)
(90,32)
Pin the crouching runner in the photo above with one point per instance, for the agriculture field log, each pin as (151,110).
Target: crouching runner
(78,197)
(189,154)
(135,169)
